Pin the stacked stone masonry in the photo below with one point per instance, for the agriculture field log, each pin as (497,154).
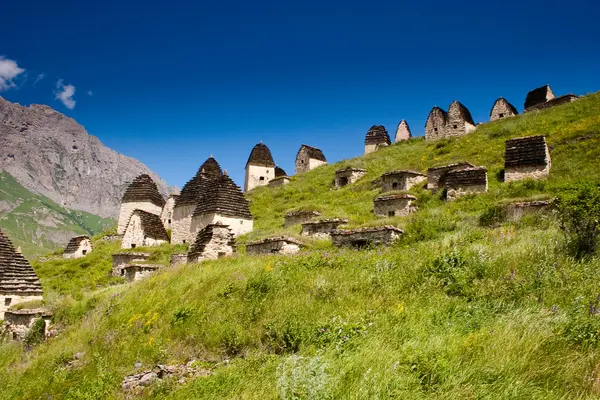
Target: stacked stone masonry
(502,109)
(538,96)
(276,245)
(136,272)
(526,157)
(365,237)
(279,181)
(459,182)
(557,101)
(376,137)
(212,242)
(436,175)
(142,194)
(298,217)
(18,323)
(309,158)
(394,205)
(78,247)
(121,260)
(403,132)
(348,176)
(18,281)
(322,228)
(178,258)
(166,214)
(144,229)
(260,167)
(516,211)
(456,122)
(401,180)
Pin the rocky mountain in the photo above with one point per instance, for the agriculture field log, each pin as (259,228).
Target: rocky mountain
(52,155)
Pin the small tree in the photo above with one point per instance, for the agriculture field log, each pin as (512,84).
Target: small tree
(579,217)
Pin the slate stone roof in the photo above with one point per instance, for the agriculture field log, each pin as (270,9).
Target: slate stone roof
(74,243)
(557,101)
(350,169)
(377,134)
(529,150)
(16,274)
(538,96)
(460,178)
(385,198)
(303,213)
(312,152)
(451,166)
(261,155)
(141,189)
(463,111)
(368,229)
(276,239)
(435,112)
(279,172)
(224,197)
(205,236)
(197,186)
(402,172)
(502,100)
(152,225)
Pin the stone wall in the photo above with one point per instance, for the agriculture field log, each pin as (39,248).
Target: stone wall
(557,101)
(178,258)
(258,176)
(394,205)
(279,181)
(8,300)
(436,175)
(219,243)
(277,245)
(465,181)
(84,248)
(120,260)
(128,208)
(182,222)
(321,229)
(112,238)
(401,180)
(459,121)
(363,237)
(136,272)
(166,215)
(136,236)
(348,176)
(435,124)
(516,211)
(238,226)
(298,217)
(526,172)
(526,157)
(502,109)
(18,323)
(305,161)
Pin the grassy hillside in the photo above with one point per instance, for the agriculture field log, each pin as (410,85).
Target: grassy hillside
(38,224)
(454,309)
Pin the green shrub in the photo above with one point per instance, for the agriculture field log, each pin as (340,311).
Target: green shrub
(493,215)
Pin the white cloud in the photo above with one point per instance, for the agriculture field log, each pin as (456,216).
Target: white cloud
(39,78)
(65,94)
(9,70)
(90,93)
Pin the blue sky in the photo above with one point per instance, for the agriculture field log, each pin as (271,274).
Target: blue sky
(170,83)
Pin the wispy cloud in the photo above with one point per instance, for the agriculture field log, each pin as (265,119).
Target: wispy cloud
(9,70)
(65,94)
(39,78)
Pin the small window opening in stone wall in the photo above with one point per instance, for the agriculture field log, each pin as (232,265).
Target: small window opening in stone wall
(361,244)
(241,222)
(7,301)
(343,181)
(302,161)
(274,250)
(262,178)
(454,126)
(395,185)
(133,245)
(267,171)
(435,129)
(221,254)
(15,337)
(391,214)
(184,241)
(75,147)
(501,115)
(84,252)
(169,221)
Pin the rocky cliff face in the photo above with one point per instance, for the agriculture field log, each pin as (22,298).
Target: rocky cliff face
(53,155)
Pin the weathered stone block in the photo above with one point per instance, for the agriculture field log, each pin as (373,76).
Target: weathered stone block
(465,181)
(526,157)
(322,228)
(348,176)
(298,217)
(401,180)
(516,211)
(120,260)
(275,245)
(436,175)
(364,237)
(394,205)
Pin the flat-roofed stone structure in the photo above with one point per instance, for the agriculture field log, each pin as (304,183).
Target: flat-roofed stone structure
(436,123)
(78,246)
(435,175)
(557,101)
(401,180)
(348,176)
(166,214)
(526,157)
(212,242)
(208,173)
(223,203)
(394,205)
(18,323)
(538,96)
(321,228)
(516,211)
(365,237)
(459,182)
(136,272)
(502,109)
(298,217)
(141,194)
(18,281)
(274,245)
(460,122)
(178,258)
(144,230)
(376,137)
(402,132)
(120,261)
(309,158)
(260,167)
(279,181)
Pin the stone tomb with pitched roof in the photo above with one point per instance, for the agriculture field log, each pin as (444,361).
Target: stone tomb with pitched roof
(365,237)
(402,132)
(436,175)
(309,158)
(298,217)
(260,167)
(121,260)
(377,136)
(274,245)
(526,157)
(502,109)
(144,230)
(401,180)
(224,203)
(321,228)
(538,96)
(142,194)
(212,242)
(193,191)
(18,281)
(456,122)
(18,323)
(459,182)
(280,179)
(394,205)
(436,123)
(348,176)
(78,247)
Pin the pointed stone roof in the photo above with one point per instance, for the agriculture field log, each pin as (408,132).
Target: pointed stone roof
(74,243)
(403,131)
(143,189)
(462,111)
(538,96)
(205,236)
(195,187)
(261,156)
(152,225)
(529,150)
(436,112)
(224,197)
(279,172)
(501,101)
(377,134)
(16,274)
(312,152)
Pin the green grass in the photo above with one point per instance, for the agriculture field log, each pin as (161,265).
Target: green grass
(452,310)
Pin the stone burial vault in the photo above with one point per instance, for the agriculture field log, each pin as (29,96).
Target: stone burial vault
(526,157)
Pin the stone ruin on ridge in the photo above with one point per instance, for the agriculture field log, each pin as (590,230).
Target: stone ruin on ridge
(516,211)
(298,217)
(502,109)
(394,205)
(260,167)
(142,194)
(348,176)
(78,246)
(376,137)
(436,175)
(144,229)
(18,323)
(402,132)
(365,237)
(401,180)
(309,158)
(274,245)
(18,281)
(280,179)
(135,272)
(121,260)
(321,229)
(543,97)
(456,122)
(459,182)
(167,212)
(212,242)
(526,157)
(208,173)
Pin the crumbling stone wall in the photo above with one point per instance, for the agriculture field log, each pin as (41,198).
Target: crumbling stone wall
(83,248)
(10,299)
(557,101)
(309,158)
(436,175)
(435,124)
(121,260)
(166,214)
(277,245)
(322,228)
(214,242)
(348,176)
(298,217)
(465,181)
(516,211)
(178,258)
(136,272)
(363,237)
(401,180)
(526,157)
(181,226)
(502,109)
(394,205)
(137,236)
(127,210)
(18,323)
